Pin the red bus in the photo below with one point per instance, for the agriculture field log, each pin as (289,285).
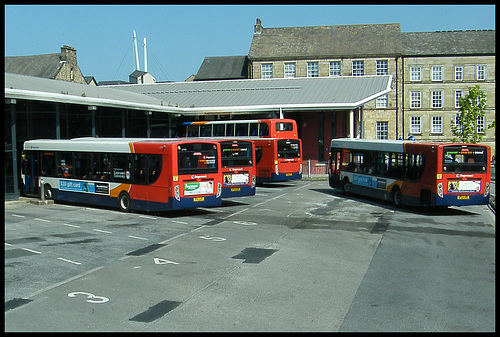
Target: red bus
(277,146)
(238,167)
(131,174)
(412,173)
(262,128)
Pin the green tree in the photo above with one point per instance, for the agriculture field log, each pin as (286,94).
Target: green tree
(472,107)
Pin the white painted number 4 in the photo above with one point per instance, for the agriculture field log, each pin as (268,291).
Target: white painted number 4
(91,298)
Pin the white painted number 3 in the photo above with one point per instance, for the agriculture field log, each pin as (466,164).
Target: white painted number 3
(91,298)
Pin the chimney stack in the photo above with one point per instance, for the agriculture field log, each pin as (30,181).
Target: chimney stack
(257,29)
(68,54)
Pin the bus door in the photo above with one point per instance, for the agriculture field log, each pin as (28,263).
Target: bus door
(335,161)
(30,169)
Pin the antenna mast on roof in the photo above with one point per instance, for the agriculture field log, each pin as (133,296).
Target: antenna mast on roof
(145,57)
(136,54)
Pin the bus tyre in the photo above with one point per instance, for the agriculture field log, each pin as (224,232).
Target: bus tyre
(346,186)
(47,191)
(396,196)
(124,202)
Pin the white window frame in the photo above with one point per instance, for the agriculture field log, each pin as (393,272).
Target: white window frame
(415,99)
(358,68)
(382,101)
(481,72)
(457,124)
(382,130)
(289,73)
(437,102)
(335,68)
(313,69)
(459,73)
(458,94)
(416,125)
(437,124)
(437,73)
(382,67)
(415,74)
(265,71)
(480,123)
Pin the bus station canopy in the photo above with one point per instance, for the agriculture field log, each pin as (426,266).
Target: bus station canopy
(210,97)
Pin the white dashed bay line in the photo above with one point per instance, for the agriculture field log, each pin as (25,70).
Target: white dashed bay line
(74,226)
(7,244)
(19,216)
(101,231)
(31,250)
(147,217)
(137,237)
(69,261)
(42,220)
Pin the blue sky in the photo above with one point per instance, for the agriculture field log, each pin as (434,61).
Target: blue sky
(180,37)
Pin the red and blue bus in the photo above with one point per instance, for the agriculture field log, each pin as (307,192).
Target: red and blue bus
(412,173)
(277,146)
(237,167)
(131,174)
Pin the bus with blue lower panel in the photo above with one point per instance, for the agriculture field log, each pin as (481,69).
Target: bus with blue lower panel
(238,167)
(412,173)
(131,174)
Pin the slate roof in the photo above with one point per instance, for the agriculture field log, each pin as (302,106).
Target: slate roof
(223,68)
(469,42)
(326,41)
(46,65)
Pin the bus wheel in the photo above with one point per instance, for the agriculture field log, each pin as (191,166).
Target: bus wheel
(396,196)
(346,186)
(47,192)
(124,202)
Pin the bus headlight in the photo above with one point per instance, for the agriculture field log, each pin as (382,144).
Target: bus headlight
(486,189)
(177,194)
(219,189)
(440,189)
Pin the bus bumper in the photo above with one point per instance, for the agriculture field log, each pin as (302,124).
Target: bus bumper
(237,191)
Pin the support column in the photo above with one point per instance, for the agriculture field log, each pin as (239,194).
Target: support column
(351,124)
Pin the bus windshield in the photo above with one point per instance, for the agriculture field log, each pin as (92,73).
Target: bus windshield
(288,148)
(197,158)
(236,154)
(464,159)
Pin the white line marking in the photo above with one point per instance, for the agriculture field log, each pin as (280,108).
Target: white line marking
(30,250)
(148,217)
(180,222)
(101,231)
(65,260)
(8,244)
(75,226)
(42,220)
(157,260)
(137,237)
(19,216)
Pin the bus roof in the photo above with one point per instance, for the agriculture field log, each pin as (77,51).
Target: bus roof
(385,144)
(91,144)
(239,121)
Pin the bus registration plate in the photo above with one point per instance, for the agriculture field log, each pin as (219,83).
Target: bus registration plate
(235,189)
(462,197)
(288,174)
(199,199)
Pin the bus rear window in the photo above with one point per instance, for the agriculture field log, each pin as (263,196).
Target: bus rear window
(236,154)
(284,127)
(289,148)
(464,159)
(197,158)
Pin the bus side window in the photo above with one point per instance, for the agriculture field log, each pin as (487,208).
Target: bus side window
(64,161)
(154,161)
(82,165)
(253,129)
(264,130)
(140,166)
(49,164)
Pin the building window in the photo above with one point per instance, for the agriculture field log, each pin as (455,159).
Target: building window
(458,95)
(312,69)
(416,99)
(437,124)
(480,124)
(358,68)
(381,102)
(415,73)
(289,70)
(267,70)
(334,68)
(481,73)
(416,125)
(459,73)
(382,130)
(382,67)
(437,73)
(457,124)
(437,99)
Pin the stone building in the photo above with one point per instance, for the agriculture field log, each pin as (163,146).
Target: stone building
(62,66)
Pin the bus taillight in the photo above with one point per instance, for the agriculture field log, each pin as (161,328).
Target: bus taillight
(486,189)
(440,189)
(177,194)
